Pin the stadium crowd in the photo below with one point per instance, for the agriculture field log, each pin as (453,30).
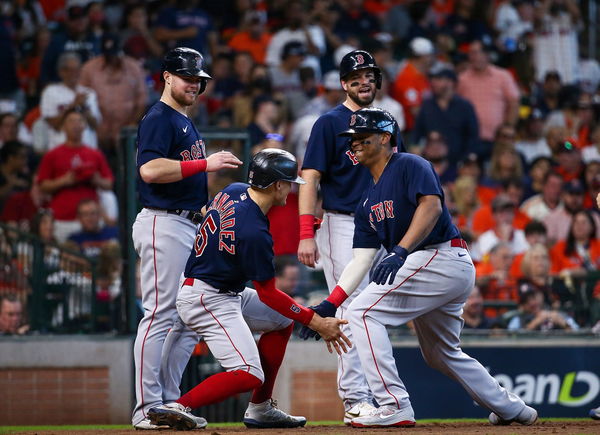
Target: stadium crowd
(499,95)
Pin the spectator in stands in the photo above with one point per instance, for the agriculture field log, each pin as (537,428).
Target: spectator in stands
(12,130)
(355,20)
(253,37)
(14,172)
(536,276)
(494,279)
(569,161)
(535,234)
(558,222)
(75,37)
(72,172)
(384,101)
(467,23)
(287,275)
(533,316)
(536,175)
(531,143)
(591,152)
(464,196)
(60,98)
(93,235)
(297,28)
(138,40)
(473,313)
(119,82)
(11,316)
(285,77)
(259,85)
(539,206)
(580,252)
(505,164)
(332,96)
(184,24)
(493,92)
(483,218)
(555,46)
(591,178)
(451,115)
(503,212)
(436,151)
(267,119)
(411,83)
(548,98)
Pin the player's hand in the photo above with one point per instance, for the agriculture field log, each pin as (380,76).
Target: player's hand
(329,329)
(390,265)
(308,254)
(324,309)
(221,160)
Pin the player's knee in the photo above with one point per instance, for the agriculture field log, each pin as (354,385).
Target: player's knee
(258,373)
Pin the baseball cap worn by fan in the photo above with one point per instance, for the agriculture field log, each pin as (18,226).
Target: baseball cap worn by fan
(75,12)
(574,187)
(502,202)
(293,48)
(421,46)
(566,147)
(331,81)
(442,71)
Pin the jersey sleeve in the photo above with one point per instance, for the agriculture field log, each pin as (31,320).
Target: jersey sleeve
(155,139)
(317,147)
(364,235)
(421,180)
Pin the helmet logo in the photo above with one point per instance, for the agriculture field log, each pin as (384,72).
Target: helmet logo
(352,120)
(360,59)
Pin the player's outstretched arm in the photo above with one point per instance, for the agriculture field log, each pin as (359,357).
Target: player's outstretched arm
(308,254)
(221,160)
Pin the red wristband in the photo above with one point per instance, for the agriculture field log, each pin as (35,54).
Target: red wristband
(192,167)
(337,296)
(307,226)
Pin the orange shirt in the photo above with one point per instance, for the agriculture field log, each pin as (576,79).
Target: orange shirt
(496,290)
(242,41)
(485,194)
(515,268)
(483,220)
(561,261)
(409,86)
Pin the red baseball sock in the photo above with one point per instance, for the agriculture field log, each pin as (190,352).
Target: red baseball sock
(271,348)
(219,387)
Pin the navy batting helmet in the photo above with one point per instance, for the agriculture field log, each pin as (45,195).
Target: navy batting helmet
(359,59)
(371,120)
(271,165)
(186,62)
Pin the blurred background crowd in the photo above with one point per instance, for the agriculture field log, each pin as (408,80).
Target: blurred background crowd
(501,96)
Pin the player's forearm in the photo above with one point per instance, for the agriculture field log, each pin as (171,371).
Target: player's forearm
(307,196)
(282,303)
(426,216)
(163,170)
(362,259)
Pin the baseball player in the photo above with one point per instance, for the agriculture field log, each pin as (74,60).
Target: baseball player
(172,187)
(329,163)
(233,245)
(426,277)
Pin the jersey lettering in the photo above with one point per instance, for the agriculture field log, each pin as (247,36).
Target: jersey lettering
(185,155)
(352,157)
(202,236)
(223,205)
(389,209)
(378,210)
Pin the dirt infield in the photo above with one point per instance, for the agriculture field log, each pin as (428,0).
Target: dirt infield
(583,427)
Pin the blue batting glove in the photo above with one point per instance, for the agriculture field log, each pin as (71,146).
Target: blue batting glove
(324,309)
(390,265)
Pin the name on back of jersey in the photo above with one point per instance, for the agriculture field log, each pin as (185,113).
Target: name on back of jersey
(223,206)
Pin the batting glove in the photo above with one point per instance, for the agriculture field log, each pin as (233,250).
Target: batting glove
(324,309)
(390,265)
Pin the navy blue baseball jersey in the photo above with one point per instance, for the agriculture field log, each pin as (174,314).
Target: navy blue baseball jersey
(166,133)
(233,244)
(343,179)
(387,208)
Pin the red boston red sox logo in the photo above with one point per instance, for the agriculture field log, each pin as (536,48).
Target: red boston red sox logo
(352,157)
(360,59)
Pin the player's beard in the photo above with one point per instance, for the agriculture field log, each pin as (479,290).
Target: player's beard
(362,101)
(183,98)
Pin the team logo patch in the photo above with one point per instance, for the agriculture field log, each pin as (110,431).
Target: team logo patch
(295,309)
(360,59)
(352,120)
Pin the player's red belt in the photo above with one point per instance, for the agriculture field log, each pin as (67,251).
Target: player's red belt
(189,281)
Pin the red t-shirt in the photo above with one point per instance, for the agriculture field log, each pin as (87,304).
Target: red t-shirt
(284,225)
(85,162)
